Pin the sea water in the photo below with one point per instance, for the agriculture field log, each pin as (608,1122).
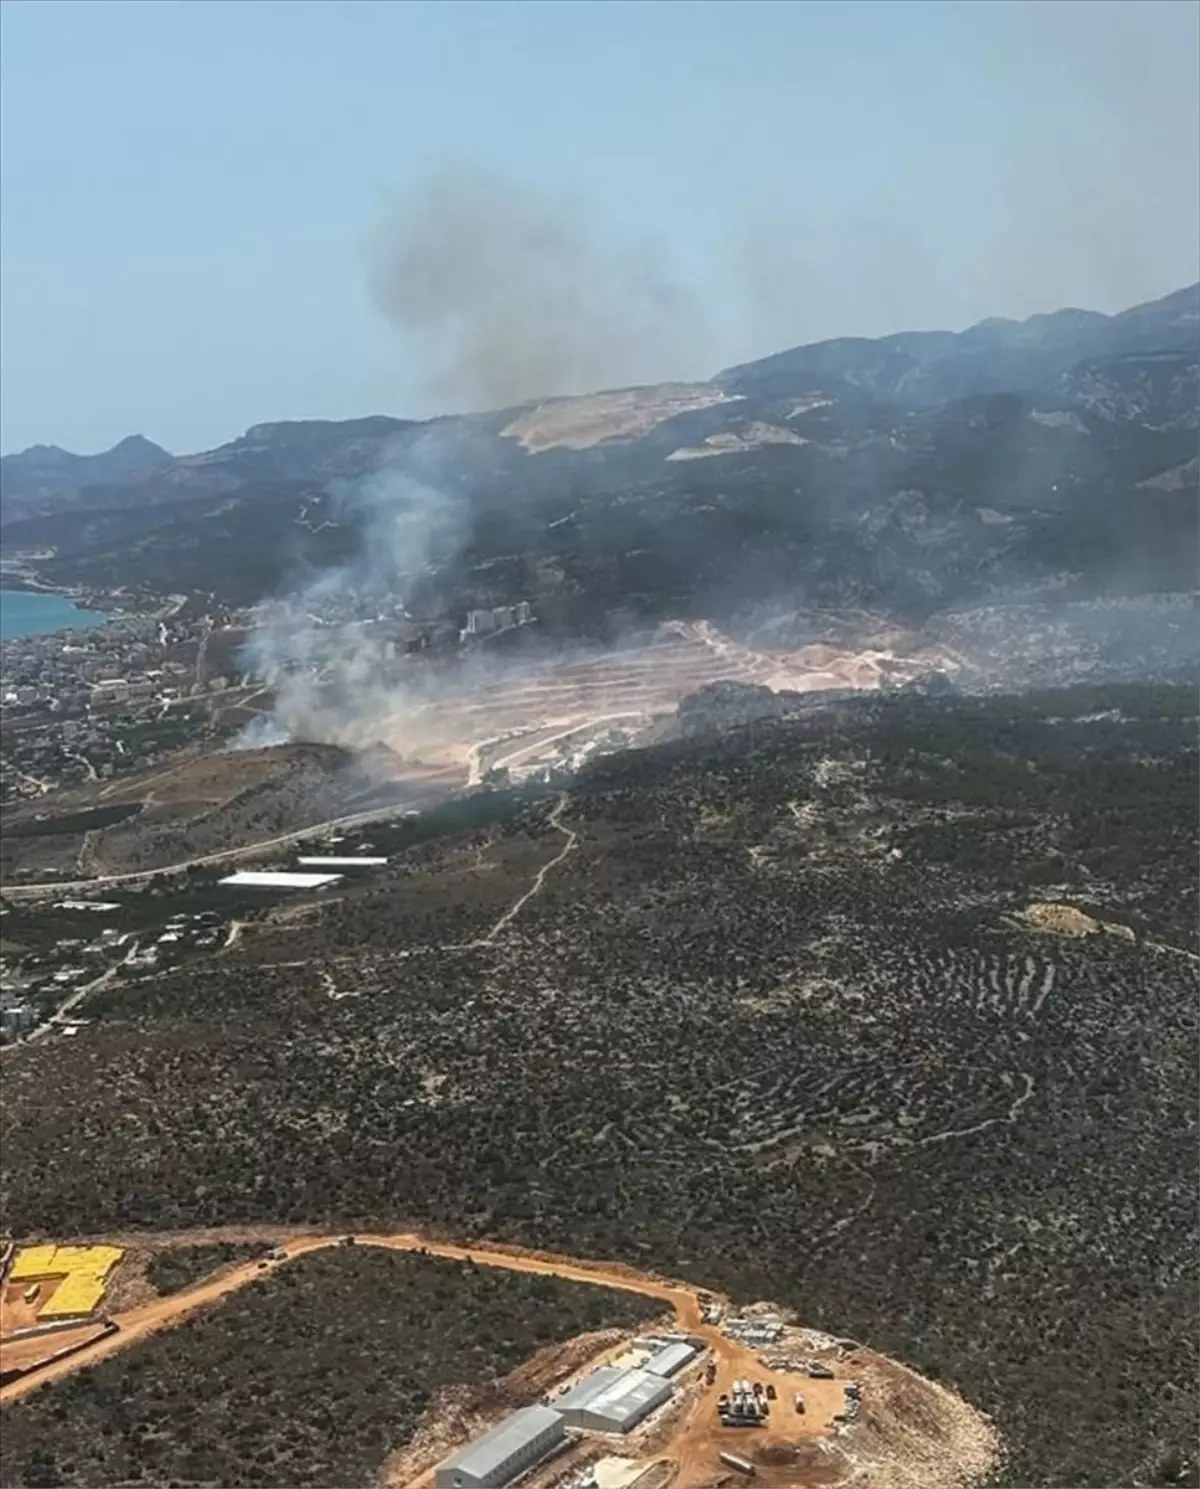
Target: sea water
(33,613)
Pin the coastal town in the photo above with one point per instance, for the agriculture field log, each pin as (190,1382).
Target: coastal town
(89,703)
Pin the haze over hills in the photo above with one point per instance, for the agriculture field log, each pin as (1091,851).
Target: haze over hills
(48,468)
(917,369)
(908,472)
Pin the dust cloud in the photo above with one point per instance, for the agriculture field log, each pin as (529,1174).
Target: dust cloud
(509,292)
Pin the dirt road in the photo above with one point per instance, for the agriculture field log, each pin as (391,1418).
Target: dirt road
(935,1430)
(137,1323)
(572,837)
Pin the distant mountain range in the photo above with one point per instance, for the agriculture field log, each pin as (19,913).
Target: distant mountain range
(47,468)
(905,472)
(919,369)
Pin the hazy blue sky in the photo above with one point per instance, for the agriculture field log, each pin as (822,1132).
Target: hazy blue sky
(187,188)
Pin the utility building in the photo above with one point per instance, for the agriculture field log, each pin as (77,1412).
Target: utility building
(671,1359)
(612,1400)
(505,1452)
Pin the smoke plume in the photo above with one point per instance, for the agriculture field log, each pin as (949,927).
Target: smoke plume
(510,293)
(328,667)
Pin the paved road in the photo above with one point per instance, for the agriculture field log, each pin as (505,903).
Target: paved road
(74,886)
(72,1002)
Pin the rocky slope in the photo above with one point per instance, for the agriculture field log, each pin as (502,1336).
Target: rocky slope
(904,473)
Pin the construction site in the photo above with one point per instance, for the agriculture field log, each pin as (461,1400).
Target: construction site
(673,1409)
(711,1398)
(51,1301)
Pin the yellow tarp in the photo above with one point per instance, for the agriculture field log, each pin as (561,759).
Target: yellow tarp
(76,1293)
(82,1268)
(33,1261)
(92,1261)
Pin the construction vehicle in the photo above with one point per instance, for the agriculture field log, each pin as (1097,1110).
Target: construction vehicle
(799,1403)
(757,1388)
(722,1403)
(710,1373)
(770,1391)
(819,1371)
(31,1292)
(276,1254)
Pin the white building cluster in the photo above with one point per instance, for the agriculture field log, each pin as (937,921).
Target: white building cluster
(610,1398)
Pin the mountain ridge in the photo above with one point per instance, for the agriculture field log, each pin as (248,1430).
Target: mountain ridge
(830,474)
(1177,313)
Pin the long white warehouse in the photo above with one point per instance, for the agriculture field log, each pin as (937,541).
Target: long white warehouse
(612,1400)
(341,863)
(505,1452)
(269,879)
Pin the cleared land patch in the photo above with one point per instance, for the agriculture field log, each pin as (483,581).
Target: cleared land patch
(311,1376)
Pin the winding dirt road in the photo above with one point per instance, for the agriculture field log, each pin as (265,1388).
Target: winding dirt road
(162,1313)
(572,837)
(690,1437)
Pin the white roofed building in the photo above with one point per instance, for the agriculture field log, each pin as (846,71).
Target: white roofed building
(505,1452)
(269,879)
(612,1400)
(356,862)
(671,1359)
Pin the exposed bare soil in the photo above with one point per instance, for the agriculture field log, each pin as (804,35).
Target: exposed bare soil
(1066,920)
(918,1433)
(579,423)
(528,717)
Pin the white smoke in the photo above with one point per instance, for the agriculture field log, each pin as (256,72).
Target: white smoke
(327,651)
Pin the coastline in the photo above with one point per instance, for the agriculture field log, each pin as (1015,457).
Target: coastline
(116,605)
(21,581)
(38,611)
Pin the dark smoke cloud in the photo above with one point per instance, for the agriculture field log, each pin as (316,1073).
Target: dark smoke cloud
(509,293)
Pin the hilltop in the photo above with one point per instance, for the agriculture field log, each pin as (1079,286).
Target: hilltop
(905,473)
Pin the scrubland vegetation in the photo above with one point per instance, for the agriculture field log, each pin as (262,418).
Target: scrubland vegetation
(311,1376)
(773,1024)
(177,1267)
